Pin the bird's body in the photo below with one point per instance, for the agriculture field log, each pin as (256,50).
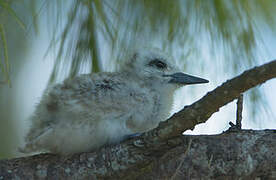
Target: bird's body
(92,110)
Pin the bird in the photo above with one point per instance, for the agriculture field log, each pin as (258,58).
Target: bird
(89,111)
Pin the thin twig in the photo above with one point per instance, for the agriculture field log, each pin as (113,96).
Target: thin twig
(239,112)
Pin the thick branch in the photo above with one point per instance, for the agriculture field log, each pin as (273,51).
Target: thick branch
(244,155)
(247,154)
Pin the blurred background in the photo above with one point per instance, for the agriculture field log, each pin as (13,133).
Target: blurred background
(42,42)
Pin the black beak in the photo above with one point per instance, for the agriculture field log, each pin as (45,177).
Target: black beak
(185,79)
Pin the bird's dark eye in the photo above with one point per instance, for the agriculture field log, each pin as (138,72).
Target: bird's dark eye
(157,63)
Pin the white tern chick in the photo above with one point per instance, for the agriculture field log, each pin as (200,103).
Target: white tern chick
(92,110)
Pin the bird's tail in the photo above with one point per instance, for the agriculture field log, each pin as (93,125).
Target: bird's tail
(28,148)
(33,141)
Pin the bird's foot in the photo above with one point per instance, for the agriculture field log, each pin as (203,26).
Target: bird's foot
(233,128)
(133,135)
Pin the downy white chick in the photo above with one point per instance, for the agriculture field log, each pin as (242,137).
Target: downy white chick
(92,110)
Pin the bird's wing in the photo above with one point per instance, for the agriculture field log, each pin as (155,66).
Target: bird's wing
(88,98)
(97,95)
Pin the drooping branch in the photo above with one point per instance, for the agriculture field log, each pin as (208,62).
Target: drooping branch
(137,157)
(201,111)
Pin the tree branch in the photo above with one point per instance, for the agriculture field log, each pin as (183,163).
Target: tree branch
(246,154)
(142,156)
(201,111)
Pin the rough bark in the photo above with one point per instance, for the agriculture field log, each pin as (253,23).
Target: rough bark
(164,153)
(246,154)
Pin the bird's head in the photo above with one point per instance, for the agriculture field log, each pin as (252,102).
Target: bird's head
(155,66)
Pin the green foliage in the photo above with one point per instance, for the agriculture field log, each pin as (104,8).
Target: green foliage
(118,22)
(8,13)
(230,28)
(5,9)
(4,65)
